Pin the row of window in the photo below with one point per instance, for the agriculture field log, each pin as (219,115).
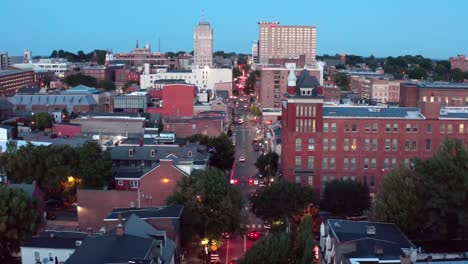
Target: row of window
(329,163)
(410,128)
(369,144)
(326,179)
(133,184)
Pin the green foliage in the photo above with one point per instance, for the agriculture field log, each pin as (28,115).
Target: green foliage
(345,198)
(51,165)
(250,83)
(42,121)
(398,201)
(276,248)
(106,85)
(19,220)
(211,204)
(77,79)
(342,81)
(442,184)
(305,240)
(268,164)
(254,110)
(457,75)
(281,201)
(224,154)
(236,72)
(129,84)
(80,56)
(417,73)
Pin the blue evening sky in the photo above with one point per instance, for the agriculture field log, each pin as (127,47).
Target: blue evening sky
(432,28)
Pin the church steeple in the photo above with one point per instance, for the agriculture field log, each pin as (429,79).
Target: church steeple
(137,44)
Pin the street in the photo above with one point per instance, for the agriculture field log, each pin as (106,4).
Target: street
(244,171)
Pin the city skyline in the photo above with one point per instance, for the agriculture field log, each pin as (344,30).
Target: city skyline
(362,27)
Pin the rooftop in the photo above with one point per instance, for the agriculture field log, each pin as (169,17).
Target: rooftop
(10,72)
(371,112)
(55,239)
(170,211)
(440,85)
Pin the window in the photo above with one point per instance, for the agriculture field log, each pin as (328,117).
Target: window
(394,162)
(428,144)
(442,129)
(449,129)
(408,128)
(37,256)
(375,127)
(407,145)
(388,128)
(189,153)
(387,144)
(346,144)
(311,145)
(395,144)
(325,144)
(345,163)
(368,128)
(372,181)
(324,180)
(298,179)
(406,162)
(120,182)
(366,163)
(310,162)
(152,153)
(415,145)
(298,162)
(374,144)
(298,144)
(333,127)
(345,178)
(364,180)
(325,127)
(354,144)
(386,163)
(134,184)
(354,128)
(461,129)
(353,163)
(373,163)
(346,127)
(415,128)
(332,163)
(130,152)
(395,128)
(324,163)
(310,180)
(51,256)
(367,144)
(333,144)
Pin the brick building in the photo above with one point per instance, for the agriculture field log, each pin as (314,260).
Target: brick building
(101,72)
(153,187)
(459,62)
(12,80)
(123,126)
(188,126)
(321,143)
(177,100)
(448,94)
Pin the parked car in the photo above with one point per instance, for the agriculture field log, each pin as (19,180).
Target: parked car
(53,136)
(241,158)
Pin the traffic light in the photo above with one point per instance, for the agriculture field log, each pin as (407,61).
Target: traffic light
(251,182)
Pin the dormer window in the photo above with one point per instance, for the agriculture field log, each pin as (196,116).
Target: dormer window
(190,153)
(152,153)
(130,152)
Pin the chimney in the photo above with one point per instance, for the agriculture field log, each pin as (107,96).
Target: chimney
(119,231)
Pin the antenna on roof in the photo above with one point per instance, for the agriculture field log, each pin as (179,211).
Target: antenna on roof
(203,15)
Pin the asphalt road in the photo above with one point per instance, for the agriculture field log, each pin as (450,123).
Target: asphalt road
(243,172)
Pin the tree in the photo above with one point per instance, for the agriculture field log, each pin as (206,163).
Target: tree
(306,240)
(106,85)
(342,81)
(276,248)
(223,152)
(236,72)
(268,164)
(18,222)
(442,185)
(211,204)
(130,84)
(53,55)
(42,121)
(281,201)
(398,201)
(251,81)
(345,198)
(417,73)
(254,110)
(77,79)
(457,75)
(94,167)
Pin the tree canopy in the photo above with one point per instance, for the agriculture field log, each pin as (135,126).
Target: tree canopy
(106,85)
(80,56)
(77,79)
(42,121)
(19,220)
(268,164)
(282,200)
(223,152)
(275,248)
(211,204)
(432,191)
(345,198)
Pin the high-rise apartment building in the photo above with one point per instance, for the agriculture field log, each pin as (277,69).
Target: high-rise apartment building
(203,45)
(286,42)
(4,60)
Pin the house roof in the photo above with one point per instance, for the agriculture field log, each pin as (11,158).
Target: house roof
(111,248)
(10,72)
(6,105)
(132,173)
(170,211)
(181,153)
(372,112)
(347,230)
(68,100)
(28,90)
(55,239)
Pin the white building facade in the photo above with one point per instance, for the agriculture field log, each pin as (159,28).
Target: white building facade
(201,77)
(58,66)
